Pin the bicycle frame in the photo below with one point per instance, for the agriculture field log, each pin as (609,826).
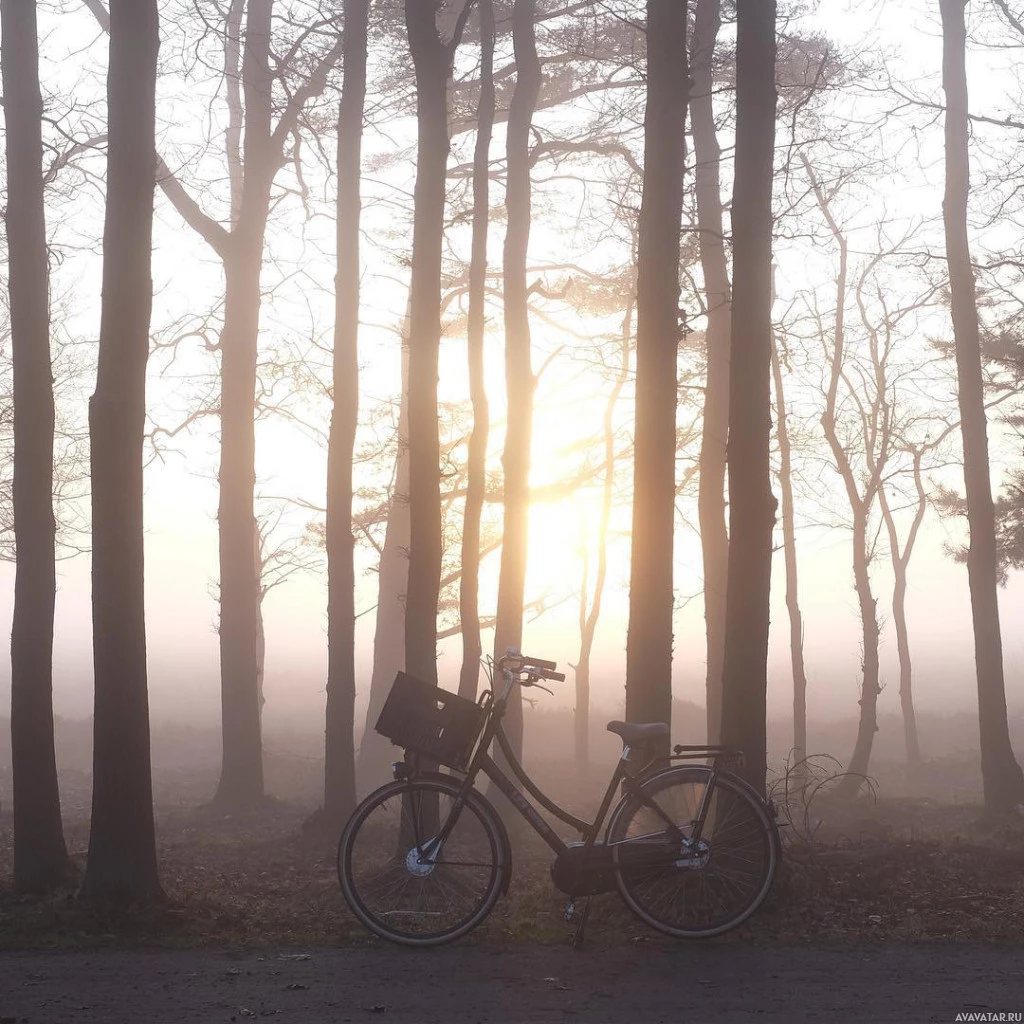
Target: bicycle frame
(590,831)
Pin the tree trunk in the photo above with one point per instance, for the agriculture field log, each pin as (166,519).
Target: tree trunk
(476,483)
(900,562)
(1001,775)
(251,172)
(649,635)
(40,856)
(375,752)
(589,618)
(241,780)
(899,617)
(339,752)
(796,623)
(867,724)
(122,847)
(519,382)
(718,296)
(751,503)
(431,59)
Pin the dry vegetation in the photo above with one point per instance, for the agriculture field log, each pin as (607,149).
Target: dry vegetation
(879,869)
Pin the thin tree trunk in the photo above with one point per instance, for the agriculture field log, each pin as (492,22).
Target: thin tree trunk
(751,503)
(375,752)
(649,636)
(900,562)
(476,484)
(431,59)
(40,856)
(122,846)
(519,382)
(796,624)
(241,780)
(860,497)
(339,759)
(867,724)
(1001,774)
(589,618)
(714,535)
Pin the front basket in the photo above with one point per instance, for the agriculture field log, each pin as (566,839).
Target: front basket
(433,722)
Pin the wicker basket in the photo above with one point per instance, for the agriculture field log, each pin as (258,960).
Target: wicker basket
(433,722)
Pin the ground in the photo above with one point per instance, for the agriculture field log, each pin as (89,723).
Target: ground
(487,984)
(889,909)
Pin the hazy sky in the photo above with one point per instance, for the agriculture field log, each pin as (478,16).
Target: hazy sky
(181,499)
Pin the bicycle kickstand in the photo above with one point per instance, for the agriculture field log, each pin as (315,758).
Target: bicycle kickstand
(581,920)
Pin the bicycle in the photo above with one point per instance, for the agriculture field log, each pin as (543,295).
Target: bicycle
(691,848)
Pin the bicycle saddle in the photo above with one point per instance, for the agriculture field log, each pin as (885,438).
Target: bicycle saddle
(632,732)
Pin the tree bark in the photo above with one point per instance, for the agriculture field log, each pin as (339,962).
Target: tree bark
(122,847)
(589,617)
(900,563)
(431,59)
(714,534)
(476,469)
(40,856)
(649,635)
(796,623)
(241,780)
(519,382)
(251,172)
(751,503)
(339,751)
(1001,774)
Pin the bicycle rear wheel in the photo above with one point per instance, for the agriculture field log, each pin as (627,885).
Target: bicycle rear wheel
(694,887)
(406,885)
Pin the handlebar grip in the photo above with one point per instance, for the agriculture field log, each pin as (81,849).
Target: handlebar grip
(538,663)
(557,677)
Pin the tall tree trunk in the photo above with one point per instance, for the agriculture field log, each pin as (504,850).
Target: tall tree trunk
(241,780)
(900,562)
(431,59)
(469,585)
(649,636)
(339,759)
(1001,774)
(589,617)
(860,495)
(122,845)
(751,503)
(375,752)
(519,382)
(714,535)
(796,622)
(251,172)
(40,856)
(899,617)
(867,724)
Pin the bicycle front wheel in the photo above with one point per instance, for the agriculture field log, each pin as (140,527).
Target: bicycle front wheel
(688,885)
(421,865)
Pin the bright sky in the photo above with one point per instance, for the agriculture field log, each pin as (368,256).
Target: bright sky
(181,499)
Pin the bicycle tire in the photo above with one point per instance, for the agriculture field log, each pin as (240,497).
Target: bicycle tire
(699,891)
(398,886)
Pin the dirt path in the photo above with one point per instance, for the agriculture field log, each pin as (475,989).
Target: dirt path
(717,984)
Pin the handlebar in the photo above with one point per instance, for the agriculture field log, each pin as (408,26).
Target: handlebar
(539,668)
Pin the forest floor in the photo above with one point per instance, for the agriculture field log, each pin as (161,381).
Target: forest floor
(875,871)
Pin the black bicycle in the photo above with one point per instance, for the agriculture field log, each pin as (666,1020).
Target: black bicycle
(691,848)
